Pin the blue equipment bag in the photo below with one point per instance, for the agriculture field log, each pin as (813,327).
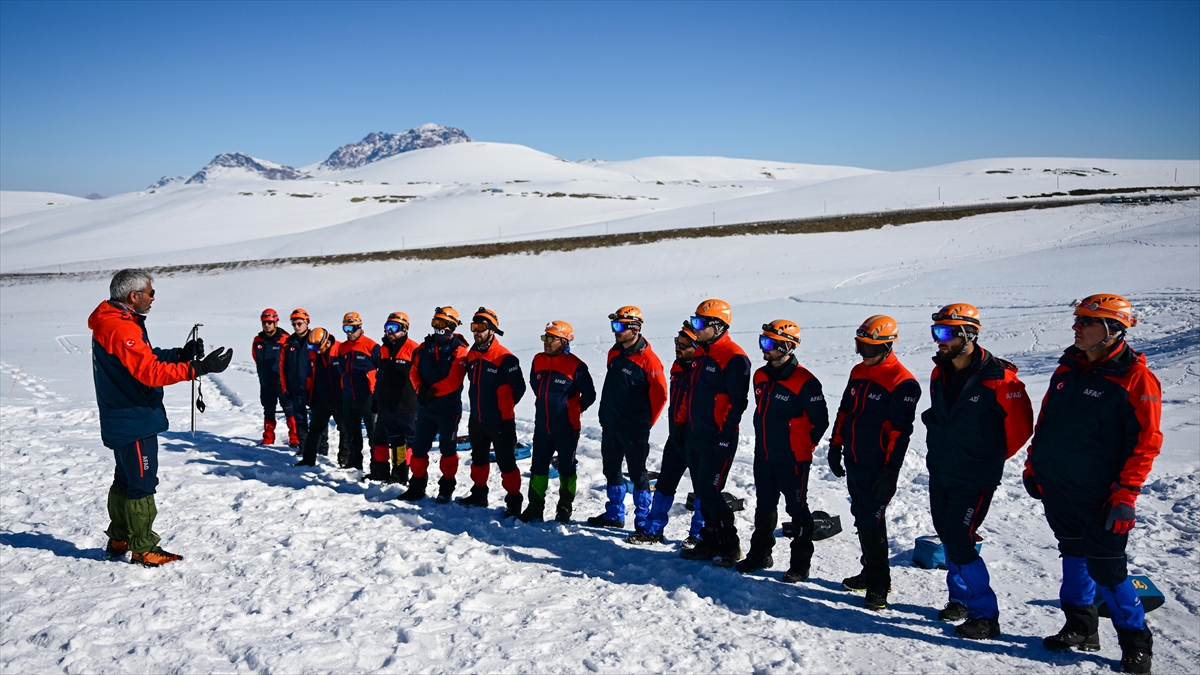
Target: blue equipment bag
(930,554)
(1148,593)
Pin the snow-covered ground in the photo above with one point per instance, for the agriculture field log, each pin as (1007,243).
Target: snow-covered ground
(485,192)
(291,571)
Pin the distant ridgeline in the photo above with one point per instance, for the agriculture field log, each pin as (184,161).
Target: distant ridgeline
(374,147)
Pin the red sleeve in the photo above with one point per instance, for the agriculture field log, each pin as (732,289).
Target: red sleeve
(414,372)
(658,386)
(123,339)
(1143,427)
(836,439)
(1018,419)
(282,369)
(254,350)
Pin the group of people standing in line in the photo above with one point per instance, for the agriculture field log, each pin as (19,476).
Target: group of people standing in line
(1092,447)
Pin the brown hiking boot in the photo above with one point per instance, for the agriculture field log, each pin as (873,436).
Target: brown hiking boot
(154,558)
(116,548)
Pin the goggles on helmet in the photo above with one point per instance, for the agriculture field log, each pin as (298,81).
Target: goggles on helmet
(770,344)
(394,327)
(621,326)
(479,326)
(944,333)
(938,316)
(443,323)
(701,322)
(349,329)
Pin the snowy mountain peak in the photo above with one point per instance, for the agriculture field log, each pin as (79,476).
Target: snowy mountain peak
(234,161)
(381,145)
(165,181)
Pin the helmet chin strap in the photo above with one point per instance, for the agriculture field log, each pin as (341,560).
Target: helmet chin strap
(968,338)
(1108,340)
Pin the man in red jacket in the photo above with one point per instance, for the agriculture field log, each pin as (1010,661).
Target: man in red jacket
(324,392)
(873,428)
(1097,436)
(356,356)
(563,388)
(438,369)
(130,375)
(293,376)
(267,350)
(790,417)
(496,387)
(979,416)
(717,396)
(634,395)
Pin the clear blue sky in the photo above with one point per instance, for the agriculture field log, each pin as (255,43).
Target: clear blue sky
(108,97)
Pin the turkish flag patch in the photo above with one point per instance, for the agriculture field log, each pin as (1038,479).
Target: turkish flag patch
(129,343)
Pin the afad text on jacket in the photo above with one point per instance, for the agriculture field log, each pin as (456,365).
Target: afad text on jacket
(563,387)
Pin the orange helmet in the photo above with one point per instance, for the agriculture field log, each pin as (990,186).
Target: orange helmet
(560,329)
(877,330)
(300,313)
(445,317)
(688,332)
(269,314)
(488,319)
(1106,306)
(317,337)
(958,314)
(779,330)
(352,319)
(398,317)
(627,314)
(715,309)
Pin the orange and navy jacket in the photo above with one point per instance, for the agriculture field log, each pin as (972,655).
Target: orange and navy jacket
(635,388)
(266,352)
(294,365)
(129,375)
(443,367)
(875,420)
(1099,424)
(324,378)
(562,387)
(681,372)
(971,435)
(790,414)
(357,368)
(718,391)
(393,385)
(496,383)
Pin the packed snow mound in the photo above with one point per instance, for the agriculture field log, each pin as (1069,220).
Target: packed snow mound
(707,169)
(476,162)
(241,165)
(17,203)
(381,145)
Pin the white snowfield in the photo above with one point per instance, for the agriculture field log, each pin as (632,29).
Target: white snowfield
(479,192)
(292,571)
(13,203)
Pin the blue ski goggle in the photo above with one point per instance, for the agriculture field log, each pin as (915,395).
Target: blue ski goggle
(349,329)
(701,322)
(394,327)
(944,333)
(768,344)
(619,326)
(313,348)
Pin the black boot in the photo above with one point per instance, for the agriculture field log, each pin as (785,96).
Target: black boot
(535,512)
(876,574)
(704,549)
(875,601)
(802,551)
(512,505)
(979,629)
(477,497)
(856,583)
(953,611)
(756,559)
(416,489)
(1136,649)
(379,472)
(1080,632)
(399,474)
(445,490)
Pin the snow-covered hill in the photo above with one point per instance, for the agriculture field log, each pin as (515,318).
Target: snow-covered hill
(381,145)
(14,203)
(294,571)
(471,192)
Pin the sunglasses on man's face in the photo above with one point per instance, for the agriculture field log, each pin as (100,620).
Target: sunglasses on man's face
(149,292)
(1085,321)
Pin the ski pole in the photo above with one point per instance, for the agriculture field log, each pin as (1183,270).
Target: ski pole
(195,334)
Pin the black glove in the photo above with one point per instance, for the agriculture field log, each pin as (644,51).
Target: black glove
(215,362)
(193,350)
(426,395)
(1031,484)
(885,487)
(835,461)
